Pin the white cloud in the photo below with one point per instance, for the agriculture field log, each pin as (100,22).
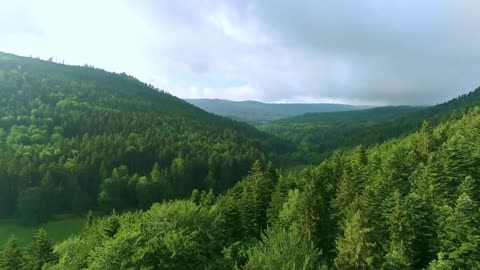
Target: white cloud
(365,51)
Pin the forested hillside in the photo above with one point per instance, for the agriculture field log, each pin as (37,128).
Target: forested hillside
(77,138)
(410,203)
(256,113)
(319,134)
(74,139)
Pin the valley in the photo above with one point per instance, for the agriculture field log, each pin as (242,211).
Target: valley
(176,187)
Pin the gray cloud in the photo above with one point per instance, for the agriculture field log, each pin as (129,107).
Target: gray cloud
(369,52)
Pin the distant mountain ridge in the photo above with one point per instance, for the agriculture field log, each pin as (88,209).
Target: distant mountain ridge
(320,133)
(255,112)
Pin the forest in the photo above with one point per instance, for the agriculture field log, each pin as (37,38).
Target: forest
(79,138)
(165,185)
(257,113)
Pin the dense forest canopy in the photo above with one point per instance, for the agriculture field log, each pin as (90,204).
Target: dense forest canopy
(319,134)
(186,189)
(410,203)
(77,138)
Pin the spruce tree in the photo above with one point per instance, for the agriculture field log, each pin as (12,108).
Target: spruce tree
(39,252)
(111,225)
(354,248)
(398,254)
(460,236)
(284,250)
(278,198)
(11,257)
(419,230)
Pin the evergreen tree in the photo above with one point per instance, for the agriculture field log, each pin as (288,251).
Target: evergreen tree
(460,236)
(11,257)
(399,249)
(39,252)
(209,182)
(470,187)
(249,213)
(419,230)
(284,250)
(354,249)
(207,199)
(260,186)
(195,197)
(111,224)
(351,182)
(278,198)
(425,142)
(397,257)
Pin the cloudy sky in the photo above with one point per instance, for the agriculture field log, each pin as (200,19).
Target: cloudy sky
(358,51)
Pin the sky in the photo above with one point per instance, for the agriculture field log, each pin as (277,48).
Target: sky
(371,52)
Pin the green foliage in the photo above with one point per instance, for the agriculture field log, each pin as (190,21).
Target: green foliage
(39,252)
(354,247)
(318,134)
(460,236)
(77,138)
(282,249)
(404,204)
(11,257)
(65,129)
(177,235)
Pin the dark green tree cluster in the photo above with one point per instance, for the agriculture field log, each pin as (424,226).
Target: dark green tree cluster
(410,203)
(75,138)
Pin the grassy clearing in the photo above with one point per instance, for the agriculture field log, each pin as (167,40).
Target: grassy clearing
(58,229)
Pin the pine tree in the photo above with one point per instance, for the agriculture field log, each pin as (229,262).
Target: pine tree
(89,221)
(284,250)
(195,197)
(460,236)
(39,252)
(272,174)
(261,188)
(425,141)
(415,227)
(470,187)
(230,205)
(248,213)
(209,182)
(397,257)
(278,198)
(398,253)
(111,224)
(351,182)
(354,249)
(11,257)
(207,199)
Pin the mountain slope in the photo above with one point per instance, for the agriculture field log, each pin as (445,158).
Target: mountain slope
(74,138)
(321,133)
(255,112)
(409,203)
(318,134)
